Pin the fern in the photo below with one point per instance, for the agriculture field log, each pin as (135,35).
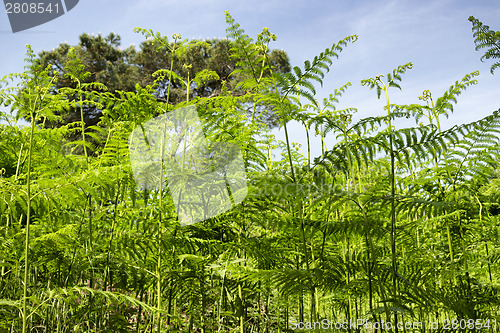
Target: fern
(299,83)
(486,38)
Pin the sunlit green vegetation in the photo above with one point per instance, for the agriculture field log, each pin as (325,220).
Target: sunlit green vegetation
(390,223)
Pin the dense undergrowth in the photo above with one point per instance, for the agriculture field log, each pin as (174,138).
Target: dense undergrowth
(388,225)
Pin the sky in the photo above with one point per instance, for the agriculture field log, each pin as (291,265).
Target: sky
(434,35)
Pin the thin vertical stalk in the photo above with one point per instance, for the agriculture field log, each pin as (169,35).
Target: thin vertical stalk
(289,151)
(110,243)
(372,258)
(159,238)
(486,242)
(160,202)
(39,97)
(83,127)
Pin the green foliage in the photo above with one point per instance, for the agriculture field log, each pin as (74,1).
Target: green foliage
(99,64)
(486,38)
(389,223)
(391,79)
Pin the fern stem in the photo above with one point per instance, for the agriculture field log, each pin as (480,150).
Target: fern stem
(170,72)
(372,256)
(448,233)
(19,161)
(159,238)
(39,97)
(160,203)
(289,151)
(308,147)
(393,208)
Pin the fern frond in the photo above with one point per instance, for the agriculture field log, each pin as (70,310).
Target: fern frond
(486,38)
(444,103)
(313,71)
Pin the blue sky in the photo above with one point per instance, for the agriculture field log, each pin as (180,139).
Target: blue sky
(434,35)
